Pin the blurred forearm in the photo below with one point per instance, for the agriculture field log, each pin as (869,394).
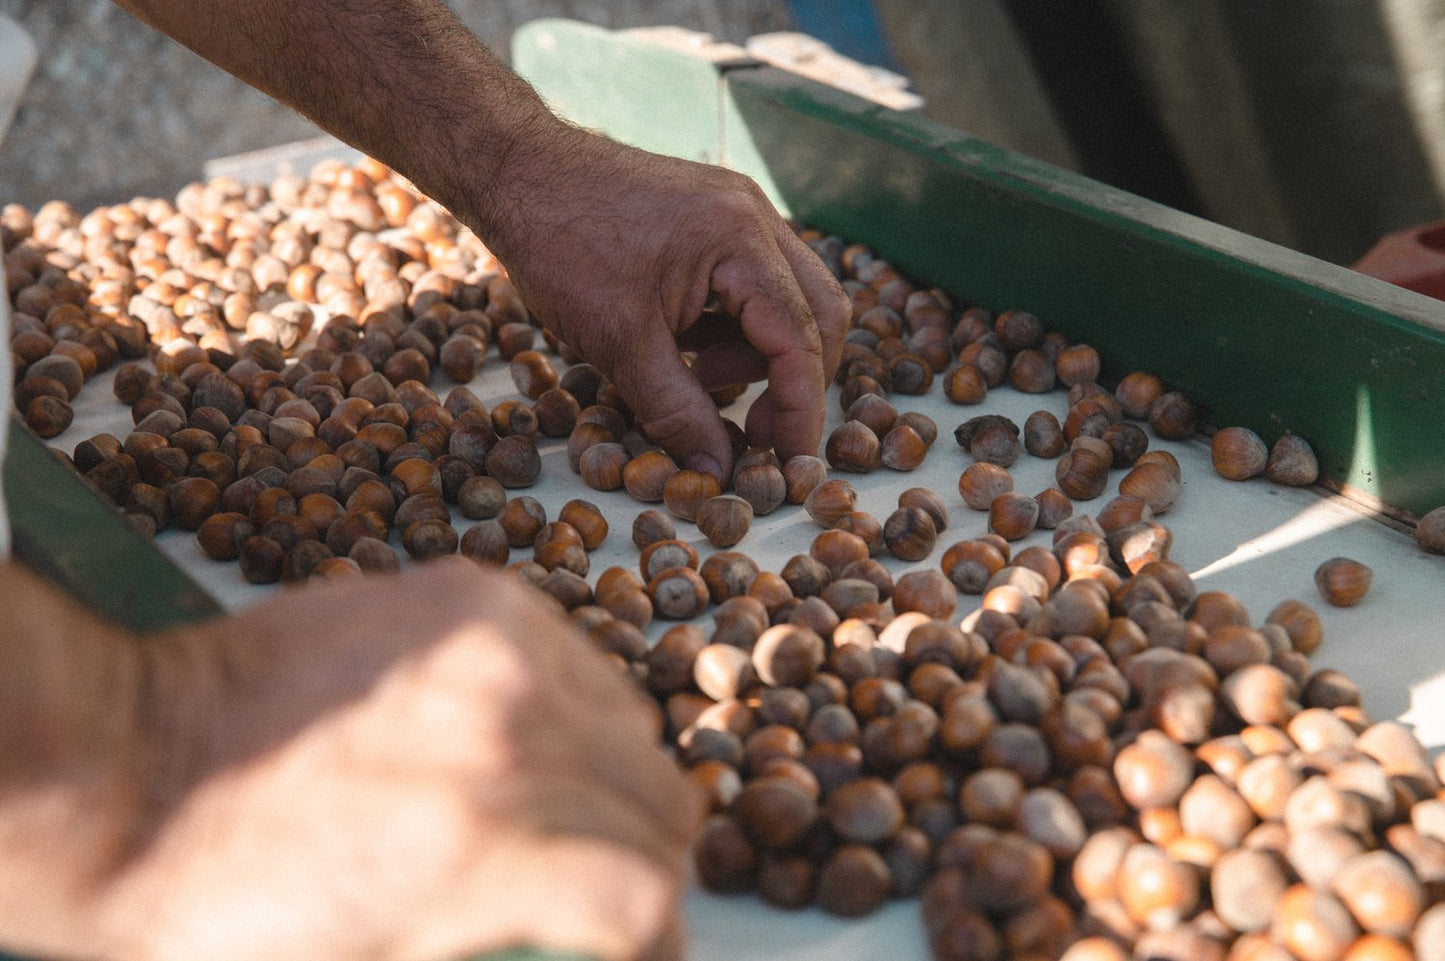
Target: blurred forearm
(402,80)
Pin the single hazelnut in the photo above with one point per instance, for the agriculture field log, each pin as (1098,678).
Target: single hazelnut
(802,473)
(910,533)
(724,520)
(854,447)
(651,526)
(966,385)
(603,466)
(1292,462)
(1172,416)
(1343,582)
(646,475)
(1013,516)
(1238,453)
(982,482)
(761,485)
(684,492)
(829,501)
(1043,436)
(902,449)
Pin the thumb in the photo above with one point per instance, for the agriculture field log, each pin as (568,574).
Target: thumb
(671,406)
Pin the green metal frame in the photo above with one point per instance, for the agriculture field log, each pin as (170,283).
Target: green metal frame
(1257,334)
(63,530)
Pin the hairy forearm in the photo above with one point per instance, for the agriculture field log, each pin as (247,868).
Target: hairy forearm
(402,80)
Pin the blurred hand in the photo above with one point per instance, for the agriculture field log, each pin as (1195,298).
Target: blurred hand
(417,768)
(617,251)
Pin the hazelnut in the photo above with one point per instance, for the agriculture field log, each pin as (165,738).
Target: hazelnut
(486,542)
(966,384)
(910,533)
(829,501)
(775,812)
(723,520)
(603,466)
(1172,416)
(646,475)
(1083,471)
(1153,483)
(902,449)
(1031,372)
(651,526)
(514,462)
(787,655)
(662,555)
(1013,516)
(982,482)
(853,446)
(1238,453)
(1292,462)
(1137,392)
(802,473)
(874,412)
(586,519)
(853,882)
(684,491)
(926,591)
(761,485)
(1043,437)
(1077,364)
(1343,582)
(678,593)
(522,519)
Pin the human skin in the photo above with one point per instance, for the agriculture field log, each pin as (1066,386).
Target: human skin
(432,766)
(421,767)
(616,250)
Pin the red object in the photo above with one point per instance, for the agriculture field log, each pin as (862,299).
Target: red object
(1413,258)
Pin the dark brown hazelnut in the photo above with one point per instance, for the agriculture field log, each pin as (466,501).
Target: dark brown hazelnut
(514,462)
(724,520)
(787,655)
(853,882)
(685,490)
(1172,416)
(910,533)
(853,446)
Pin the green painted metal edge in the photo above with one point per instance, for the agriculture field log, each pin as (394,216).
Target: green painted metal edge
(665,100)
(64,531)
(1257,334)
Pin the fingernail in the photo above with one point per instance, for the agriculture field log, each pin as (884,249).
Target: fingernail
(704,461)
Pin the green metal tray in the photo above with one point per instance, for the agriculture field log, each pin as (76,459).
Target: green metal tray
(1257,334)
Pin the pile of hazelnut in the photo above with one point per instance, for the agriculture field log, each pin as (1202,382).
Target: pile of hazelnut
(1096,761)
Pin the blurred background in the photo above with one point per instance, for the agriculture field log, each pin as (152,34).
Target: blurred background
(1318,124)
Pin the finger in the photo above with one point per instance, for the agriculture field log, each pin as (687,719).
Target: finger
(761,291)
(671,407)
(831,308)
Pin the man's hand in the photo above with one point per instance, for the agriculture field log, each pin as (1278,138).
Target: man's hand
(617,251)
(420,768)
